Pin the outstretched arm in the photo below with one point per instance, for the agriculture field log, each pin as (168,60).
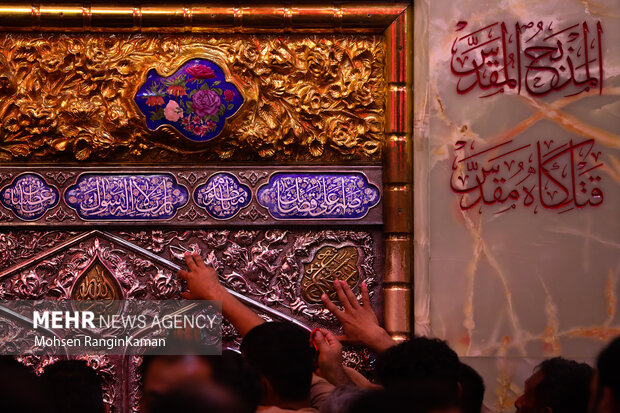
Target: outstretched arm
(203,284)
(359,322)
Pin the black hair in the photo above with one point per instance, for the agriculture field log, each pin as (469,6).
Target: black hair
(422,397)
(608,367)
(423,371)
(416,360)
(229,370)
(472,387)
(194,398)
(565,385)
(21,391)
(281,353)
(384,401)
(74,387)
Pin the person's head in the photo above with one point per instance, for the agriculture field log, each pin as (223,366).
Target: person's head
(400,399)
(196,398)
(424,370)
(281,354)
(162,373)
(21,391)
(417,360)
(472,389)
(557,386)
(378,401)
(74,387)
(605,394)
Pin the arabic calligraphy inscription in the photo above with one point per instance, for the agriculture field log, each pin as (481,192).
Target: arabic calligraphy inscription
(222,196)
(329,264)
(539,57)
(96,283)
(551,174)
(120,197)
(29,196)
(318,196)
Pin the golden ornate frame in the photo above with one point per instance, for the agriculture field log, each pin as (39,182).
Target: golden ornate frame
(394,21)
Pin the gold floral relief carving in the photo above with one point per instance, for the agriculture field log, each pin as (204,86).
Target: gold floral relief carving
(307,98)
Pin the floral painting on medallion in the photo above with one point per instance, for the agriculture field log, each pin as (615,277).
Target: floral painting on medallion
(80,97)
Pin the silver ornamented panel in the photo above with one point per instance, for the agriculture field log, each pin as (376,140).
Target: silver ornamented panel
(274,271)
(181,196)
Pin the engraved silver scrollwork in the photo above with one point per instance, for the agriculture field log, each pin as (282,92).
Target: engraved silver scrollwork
(60,176)
(5,217)
(264,265)
(252,213)
(191,215)
(253,177)
(60,215)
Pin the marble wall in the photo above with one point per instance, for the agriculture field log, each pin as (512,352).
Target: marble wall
(517,182)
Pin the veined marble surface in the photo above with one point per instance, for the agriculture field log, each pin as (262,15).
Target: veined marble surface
(507,285)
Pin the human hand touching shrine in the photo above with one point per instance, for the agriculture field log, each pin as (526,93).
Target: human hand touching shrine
(202,280)
(329,363)
(359,322)
(204,284)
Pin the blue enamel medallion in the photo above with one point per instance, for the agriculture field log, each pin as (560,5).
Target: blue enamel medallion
(318,195)
(195,100)
(222,196)
(29,196)
(126,197)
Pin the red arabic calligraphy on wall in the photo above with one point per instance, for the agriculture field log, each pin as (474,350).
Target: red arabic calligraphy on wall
(538,57)
(550,174)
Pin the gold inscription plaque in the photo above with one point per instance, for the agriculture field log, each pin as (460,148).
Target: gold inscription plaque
(96,284)
(329,264)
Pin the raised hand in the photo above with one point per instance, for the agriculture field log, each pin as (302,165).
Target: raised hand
(359,322)
(330,357)
(202,280)
(203,284)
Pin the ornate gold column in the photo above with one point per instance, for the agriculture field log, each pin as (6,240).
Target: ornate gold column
(398,177)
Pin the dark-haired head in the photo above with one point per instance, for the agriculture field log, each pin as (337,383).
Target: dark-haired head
(74,387)
(558,385)
(281,354)
(160,373)
(417,359)
(472,389)
(197,398)
(424,370)
(21,391)
(606,384)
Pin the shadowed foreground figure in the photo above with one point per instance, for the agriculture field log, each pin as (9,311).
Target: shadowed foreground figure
(472,387)
(21,391)
(197,398)
(74,387)
(605,389)
(280,353)
(558,385)
(220,377)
